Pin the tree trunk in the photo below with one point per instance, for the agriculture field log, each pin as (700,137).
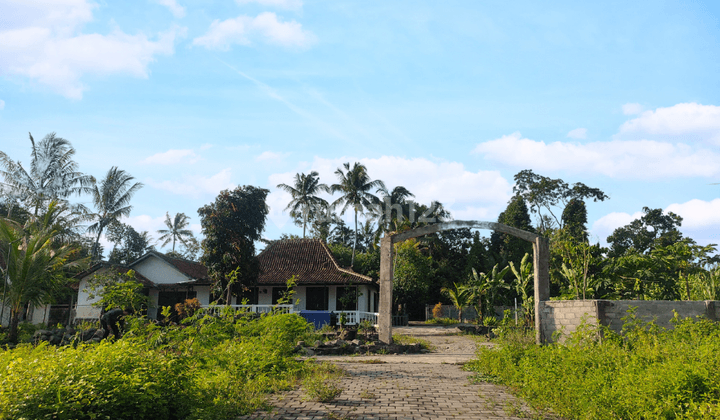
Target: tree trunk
(14,321)
(352,260)
(97,244)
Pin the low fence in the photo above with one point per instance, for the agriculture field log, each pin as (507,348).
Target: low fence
(258,309)
(560,318)
(469,314)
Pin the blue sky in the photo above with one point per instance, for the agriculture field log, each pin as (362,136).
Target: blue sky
(449,99)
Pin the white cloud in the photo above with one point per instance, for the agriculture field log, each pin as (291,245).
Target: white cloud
(644,159)
(196,186)
(280,4)
(2,104)
(42,41)
(268,155)
(578,133)
(682,122)
(477,195)
(244,29)
(177,10)
(606,225)
(171,157)
(697,213)
(205,146)
(632,109)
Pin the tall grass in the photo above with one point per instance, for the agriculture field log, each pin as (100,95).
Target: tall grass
(646,372)
(211,368)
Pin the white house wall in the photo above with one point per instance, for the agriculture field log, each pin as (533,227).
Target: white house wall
(159,271)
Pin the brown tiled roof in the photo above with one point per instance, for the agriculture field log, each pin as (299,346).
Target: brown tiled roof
(192,269)
(308,259)
(121,269)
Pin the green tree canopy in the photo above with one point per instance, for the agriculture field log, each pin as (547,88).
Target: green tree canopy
(507,247)
(112,201)
(53,175)
(543,194)
(305,202)
(231,226)
(651,230)
(355,185)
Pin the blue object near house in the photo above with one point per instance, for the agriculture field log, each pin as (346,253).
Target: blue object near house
(318,318)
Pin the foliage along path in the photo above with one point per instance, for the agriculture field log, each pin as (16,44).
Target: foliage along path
(419,386)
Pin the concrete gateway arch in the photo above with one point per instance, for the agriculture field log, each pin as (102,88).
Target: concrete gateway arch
(541,263)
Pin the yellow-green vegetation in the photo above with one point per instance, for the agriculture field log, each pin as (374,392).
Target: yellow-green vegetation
(324,384)
(408,339)
(646,372)
(212,367)
(442,321)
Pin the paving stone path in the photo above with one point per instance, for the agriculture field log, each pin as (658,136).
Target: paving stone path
(429,386)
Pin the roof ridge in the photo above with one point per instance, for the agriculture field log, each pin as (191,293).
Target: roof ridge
(332,258)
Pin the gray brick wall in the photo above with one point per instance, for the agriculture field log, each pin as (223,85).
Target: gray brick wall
(566,315)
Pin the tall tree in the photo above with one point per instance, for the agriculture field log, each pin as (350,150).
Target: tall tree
(543,194)
(355,186)
(394,209)
(507,247)
(574,219)
(129,244)
(34,265)
(176,231)
(112,201)
(53,175)
(653,229)
(304,192)
(231,226)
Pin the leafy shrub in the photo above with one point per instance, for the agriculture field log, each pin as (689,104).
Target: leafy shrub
(122,380)
(208,368)
(437,310)
(442,321)
(645,372)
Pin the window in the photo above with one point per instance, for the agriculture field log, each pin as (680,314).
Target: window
(316,298)
(277,294)
(346,298)
(249,293)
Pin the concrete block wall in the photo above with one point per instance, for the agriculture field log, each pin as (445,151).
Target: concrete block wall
(566,315)
(612,311)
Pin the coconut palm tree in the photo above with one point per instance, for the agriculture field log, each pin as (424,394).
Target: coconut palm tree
(176,230)
(112,201)
(53,174)
(304,196)
(460,296)
(355,186)
(386,218)
(33,263)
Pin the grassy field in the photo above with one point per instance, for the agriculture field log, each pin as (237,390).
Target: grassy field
(644,373)
(211,368)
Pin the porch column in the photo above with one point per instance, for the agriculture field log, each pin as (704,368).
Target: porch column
(386,287)
(541,266)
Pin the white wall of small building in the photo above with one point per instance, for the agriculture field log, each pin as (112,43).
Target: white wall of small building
(366,292)
(159,271)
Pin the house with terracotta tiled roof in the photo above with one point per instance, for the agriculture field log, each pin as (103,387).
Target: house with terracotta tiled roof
(322,285)
(321,282)
(167,281)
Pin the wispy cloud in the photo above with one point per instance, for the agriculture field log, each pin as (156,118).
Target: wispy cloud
(280,4)
(632,109)
(268,155)
(171,157)
(243,30)
(641,159)
(177,10)
(2,104)
(196,186)
(578,133)
(42,41)
(681,122)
